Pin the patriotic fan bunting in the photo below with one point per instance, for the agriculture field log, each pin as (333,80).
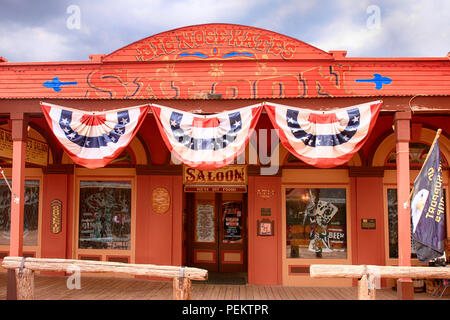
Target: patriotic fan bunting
(206,142)
(94,139)
(324,139)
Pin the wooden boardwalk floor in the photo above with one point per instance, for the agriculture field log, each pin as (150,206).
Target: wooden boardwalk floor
(92,288)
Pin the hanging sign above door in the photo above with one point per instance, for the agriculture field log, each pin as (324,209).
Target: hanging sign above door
(226,179)
(230,175)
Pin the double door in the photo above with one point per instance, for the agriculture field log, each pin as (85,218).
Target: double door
(217,231)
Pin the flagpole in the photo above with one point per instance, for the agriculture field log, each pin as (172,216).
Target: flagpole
(438,133)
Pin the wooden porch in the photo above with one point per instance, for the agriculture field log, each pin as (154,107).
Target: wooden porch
(101,288)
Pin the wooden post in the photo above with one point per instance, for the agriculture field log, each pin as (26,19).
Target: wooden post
(402,120)
(19,124)
(372,286)
(367,287)
(363,290)
(182,288)
(25,284)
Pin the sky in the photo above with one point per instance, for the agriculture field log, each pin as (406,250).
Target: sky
(68,30)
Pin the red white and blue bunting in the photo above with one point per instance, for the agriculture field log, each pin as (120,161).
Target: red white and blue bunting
(94,139)
(321,139)
(324,139)
(206,142)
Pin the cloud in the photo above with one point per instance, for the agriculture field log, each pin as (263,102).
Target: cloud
(36,31)
(406,29)
(29,43)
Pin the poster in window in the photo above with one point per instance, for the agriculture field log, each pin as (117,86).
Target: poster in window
(205,227)
(232,219)
(316,223)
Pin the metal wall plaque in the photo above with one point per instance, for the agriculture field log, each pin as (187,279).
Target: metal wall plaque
(56,216)
(368,223)
(160,200)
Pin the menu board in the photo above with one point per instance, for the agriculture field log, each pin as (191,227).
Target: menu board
(232,219)
(205,221)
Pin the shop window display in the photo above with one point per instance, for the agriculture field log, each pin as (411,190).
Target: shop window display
(316,223)
(105,215)
(31,213)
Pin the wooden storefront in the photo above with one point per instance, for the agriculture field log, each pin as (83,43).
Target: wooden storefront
(250,217)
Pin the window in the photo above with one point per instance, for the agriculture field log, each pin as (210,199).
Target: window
(393,225)
(417,155)
(105,215)
(31,213)
(316,223)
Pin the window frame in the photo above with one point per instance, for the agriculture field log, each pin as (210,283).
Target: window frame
(308,261)
(30,174)
(389,182)
(83,174)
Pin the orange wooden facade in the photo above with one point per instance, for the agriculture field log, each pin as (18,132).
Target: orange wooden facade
(209,69)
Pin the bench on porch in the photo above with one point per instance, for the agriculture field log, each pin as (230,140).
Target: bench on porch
(25,268)
(368,273)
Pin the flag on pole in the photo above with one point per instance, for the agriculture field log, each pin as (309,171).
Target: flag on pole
(94,139)
(324,139)
(428,208)
(206,142)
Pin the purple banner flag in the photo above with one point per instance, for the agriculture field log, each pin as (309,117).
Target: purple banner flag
(428,208)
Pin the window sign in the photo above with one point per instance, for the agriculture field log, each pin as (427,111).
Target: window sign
(316,223)
(265,227)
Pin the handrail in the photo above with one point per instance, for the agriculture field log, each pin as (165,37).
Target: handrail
(25,268)
(368,273)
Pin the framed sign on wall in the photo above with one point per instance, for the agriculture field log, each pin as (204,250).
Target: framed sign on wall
(265,227)
(56,219)
(160,200)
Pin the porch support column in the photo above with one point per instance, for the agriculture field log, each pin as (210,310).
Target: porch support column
(402,121)
(19,123)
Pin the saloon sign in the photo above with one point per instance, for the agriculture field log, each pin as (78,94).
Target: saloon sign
(224,61)
(232,175)
(180,42)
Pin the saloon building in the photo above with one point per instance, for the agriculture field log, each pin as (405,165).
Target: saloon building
(253,216)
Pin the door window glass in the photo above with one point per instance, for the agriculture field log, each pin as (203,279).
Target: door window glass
(232,222)
(205,221)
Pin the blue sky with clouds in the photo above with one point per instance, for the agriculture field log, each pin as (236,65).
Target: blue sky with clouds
(38,30)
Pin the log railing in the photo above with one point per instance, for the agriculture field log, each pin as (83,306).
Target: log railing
(25,268)
(368,274)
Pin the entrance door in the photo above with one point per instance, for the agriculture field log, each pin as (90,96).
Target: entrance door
(217,231)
